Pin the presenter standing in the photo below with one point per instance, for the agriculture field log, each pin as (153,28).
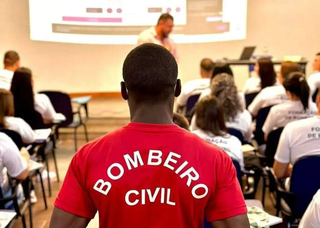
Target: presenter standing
(159,34)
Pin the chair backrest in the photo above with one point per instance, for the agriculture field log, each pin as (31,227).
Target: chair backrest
(249,98)
(272,145)
(236,133)
(16,138)
(62,104)
(261,118)
(314,95)
(238,169)
(305,182)
(192,100)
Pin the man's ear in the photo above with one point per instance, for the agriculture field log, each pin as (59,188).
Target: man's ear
(177,91)
(124,92)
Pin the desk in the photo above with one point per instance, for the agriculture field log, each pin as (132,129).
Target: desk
(82,101)
(250,62)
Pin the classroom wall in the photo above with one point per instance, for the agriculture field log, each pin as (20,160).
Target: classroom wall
(283,27)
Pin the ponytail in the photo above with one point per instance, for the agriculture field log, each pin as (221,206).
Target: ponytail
(297,85)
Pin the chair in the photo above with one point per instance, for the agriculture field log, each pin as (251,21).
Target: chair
(62,104)
(191,103)
(16,138)
(261,118)
(22,209)
(272,145)
(314,95)
(249,98)
(236,133)
(304,183)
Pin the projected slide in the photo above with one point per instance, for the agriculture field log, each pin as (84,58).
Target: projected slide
(121,21)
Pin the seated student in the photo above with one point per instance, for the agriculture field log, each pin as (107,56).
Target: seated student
(168,176)
(276,94)
(311,218)
(314,79)
(265,77)
(197,86)
(299,138)
(11,63)
(299,107)
(211,127)
(223,87)
(15,162)
(181,121)
(25,103)
(8,121)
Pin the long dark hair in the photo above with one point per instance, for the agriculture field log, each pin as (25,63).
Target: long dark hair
(296,84)
(6,106)
(266,72)
(210,116)
(21,88)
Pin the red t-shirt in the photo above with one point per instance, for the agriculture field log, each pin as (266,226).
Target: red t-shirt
(148,175)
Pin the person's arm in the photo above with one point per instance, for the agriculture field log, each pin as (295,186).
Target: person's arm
(281,170)
(27,134)
(240,221)
(269,123)
(256,104)
(62,219)
(25,156)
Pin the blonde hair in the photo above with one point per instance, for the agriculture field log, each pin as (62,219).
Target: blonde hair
(6,105)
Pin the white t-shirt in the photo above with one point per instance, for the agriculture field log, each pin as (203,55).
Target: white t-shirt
(20,126)
(252,85)
(282,114)
(10,159)
(207,92)
(230,144)
(5,79)
(192,88)
(43,105)
(298,139)
(314,82)
(242,123)
(271,95)
(311,218)
(150,36)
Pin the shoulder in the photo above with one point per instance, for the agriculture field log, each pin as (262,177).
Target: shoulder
(6,143)
(146,33)
(315,76)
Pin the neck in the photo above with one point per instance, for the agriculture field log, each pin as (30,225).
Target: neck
(152,114)
(9,68)
(159,33)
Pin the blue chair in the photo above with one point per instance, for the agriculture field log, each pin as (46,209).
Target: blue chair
(261,118)
(191,103)
(236,133)
(272,145)
(305,182)
(249,98)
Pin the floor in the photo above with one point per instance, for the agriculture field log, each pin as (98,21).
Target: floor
(102,120)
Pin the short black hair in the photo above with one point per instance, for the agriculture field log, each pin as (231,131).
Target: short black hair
(318,54)
(165,17)
(207,64)
(150,72)
(10,58)
(220,69)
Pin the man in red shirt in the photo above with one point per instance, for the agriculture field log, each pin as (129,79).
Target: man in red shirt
(150,173)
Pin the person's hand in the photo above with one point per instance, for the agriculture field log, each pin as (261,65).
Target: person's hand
(25,154)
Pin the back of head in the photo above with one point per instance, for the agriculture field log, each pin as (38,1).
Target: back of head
(6,105)
(150,73)
(223,87)
(297,84)
(266,72)
(220,69)
(21,88)
(10,58)
(289,67)
(207,66)
(210,116)
(181,121)
(164,17)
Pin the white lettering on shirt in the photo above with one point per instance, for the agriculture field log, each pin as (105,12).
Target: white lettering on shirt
(113,177)
(154,157)
(128,195)
(190,177)
(196,187)
(134,162)
(100,185)
(165,196)
(170,159)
